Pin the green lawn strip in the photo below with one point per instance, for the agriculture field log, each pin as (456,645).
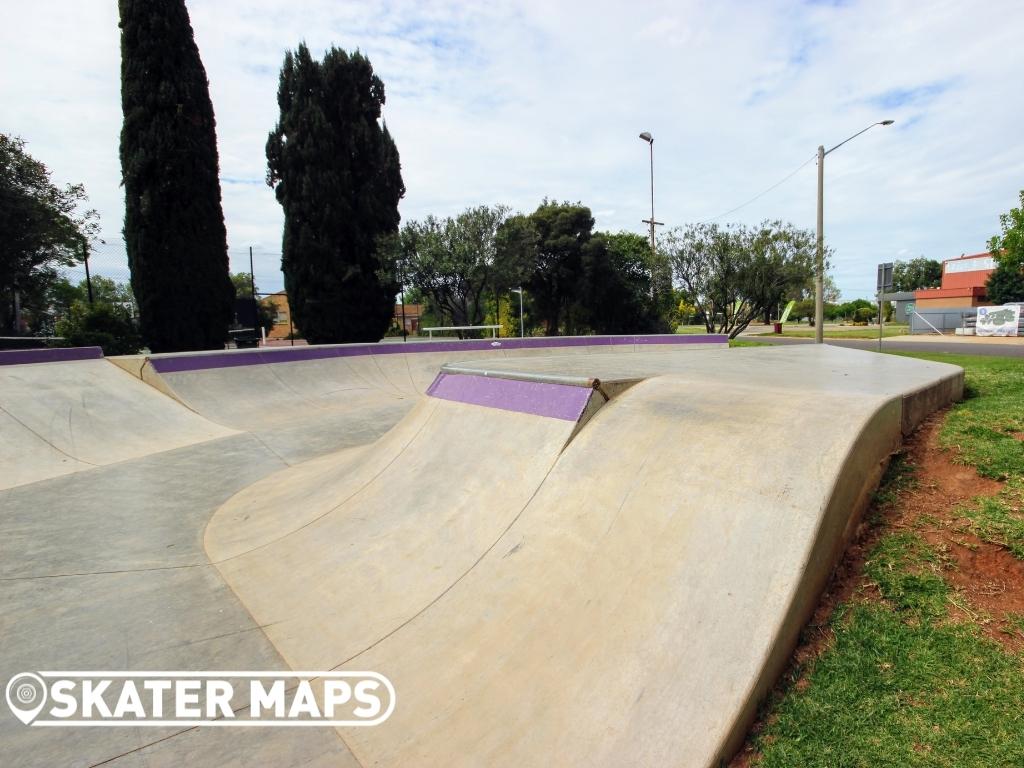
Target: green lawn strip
(745,343)
(896,693)
(903,684)
(982,427)
(690,329)
(985,431)
(1000,519)
(909,575)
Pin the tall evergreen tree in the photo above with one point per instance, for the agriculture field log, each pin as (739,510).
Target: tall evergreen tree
(336,172)
(173,226)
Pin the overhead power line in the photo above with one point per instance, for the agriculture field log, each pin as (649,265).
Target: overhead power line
(759,195)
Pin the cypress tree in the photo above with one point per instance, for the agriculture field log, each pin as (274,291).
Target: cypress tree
(173,225)
(336,173)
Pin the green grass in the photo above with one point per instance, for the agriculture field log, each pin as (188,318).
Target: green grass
(899,476)
(745,343)
(909,575)
(982,427)
(842,333)
(691,329)
(897,693)
(999,519)
(906,682)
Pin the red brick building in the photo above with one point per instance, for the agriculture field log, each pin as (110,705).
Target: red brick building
(963,284)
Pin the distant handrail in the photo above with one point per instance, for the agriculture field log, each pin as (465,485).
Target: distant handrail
(493,329)
(918,314)
(29,338)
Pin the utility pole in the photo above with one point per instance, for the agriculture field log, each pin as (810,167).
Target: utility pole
(522,327)
(819,258)
(819,255)
(88,278)
(401,279)
(252,275)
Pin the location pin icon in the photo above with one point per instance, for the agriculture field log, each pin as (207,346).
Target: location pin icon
(26,695)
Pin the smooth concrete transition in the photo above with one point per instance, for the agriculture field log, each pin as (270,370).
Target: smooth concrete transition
(69,415)
(303,402)
(588,554)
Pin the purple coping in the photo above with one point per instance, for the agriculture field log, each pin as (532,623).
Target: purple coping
(54,355)
(556,401)
(202,362)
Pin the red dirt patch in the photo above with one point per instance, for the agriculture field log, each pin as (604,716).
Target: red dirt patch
(987,580)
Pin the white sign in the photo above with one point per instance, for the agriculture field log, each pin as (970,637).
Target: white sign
(998,321)
(970,265)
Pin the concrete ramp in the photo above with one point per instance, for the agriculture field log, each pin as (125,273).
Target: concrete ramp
(403,521)
(62,415)
(623,599)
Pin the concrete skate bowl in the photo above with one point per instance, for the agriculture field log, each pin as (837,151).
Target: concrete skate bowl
(65,411)
(305,401)
(592,560)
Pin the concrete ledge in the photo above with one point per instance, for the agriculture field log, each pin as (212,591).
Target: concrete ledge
(920,403)
(198,361)
(54,355)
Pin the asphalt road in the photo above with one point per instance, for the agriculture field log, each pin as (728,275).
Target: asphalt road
(894,344)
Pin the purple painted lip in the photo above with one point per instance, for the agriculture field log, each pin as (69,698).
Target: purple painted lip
(193,362)
(556,401)
(55,355)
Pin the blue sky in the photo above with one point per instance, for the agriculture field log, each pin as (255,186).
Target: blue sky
(509,102)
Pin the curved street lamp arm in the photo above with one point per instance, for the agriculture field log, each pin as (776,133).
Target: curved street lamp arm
(858,133)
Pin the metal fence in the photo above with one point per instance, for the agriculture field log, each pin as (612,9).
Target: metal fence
(948,320)
(110,260)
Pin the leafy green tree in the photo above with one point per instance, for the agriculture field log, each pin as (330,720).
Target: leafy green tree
(174,226)
(63,294)
(452,261)
(849,310)
(243,285)
(864,314)
(915,274)
(781,258)
(618,287)
(1006,283)
(1008,247)
(100,325)
(43,228)
(803,308)
(336,173)
(563,235)
(735,273)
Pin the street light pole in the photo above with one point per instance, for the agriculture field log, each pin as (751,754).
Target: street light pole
(646,136)
(819,259)
(819,255)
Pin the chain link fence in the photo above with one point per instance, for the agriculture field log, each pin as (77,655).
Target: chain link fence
(35,316)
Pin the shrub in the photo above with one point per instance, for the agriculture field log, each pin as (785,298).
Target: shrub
(100,325)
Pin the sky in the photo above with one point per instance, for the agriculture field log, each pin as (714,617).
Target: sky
(512,102)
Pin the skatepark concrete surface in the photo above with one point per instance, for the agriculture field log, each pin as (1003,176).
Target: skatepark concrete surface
(583,554)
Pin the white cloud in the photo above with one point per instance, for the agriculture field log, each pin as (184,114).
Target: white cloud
(510,102)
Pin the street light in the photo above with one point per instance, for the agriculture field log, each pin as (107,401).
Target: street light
(522,334)
(650,140)
(819,277)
